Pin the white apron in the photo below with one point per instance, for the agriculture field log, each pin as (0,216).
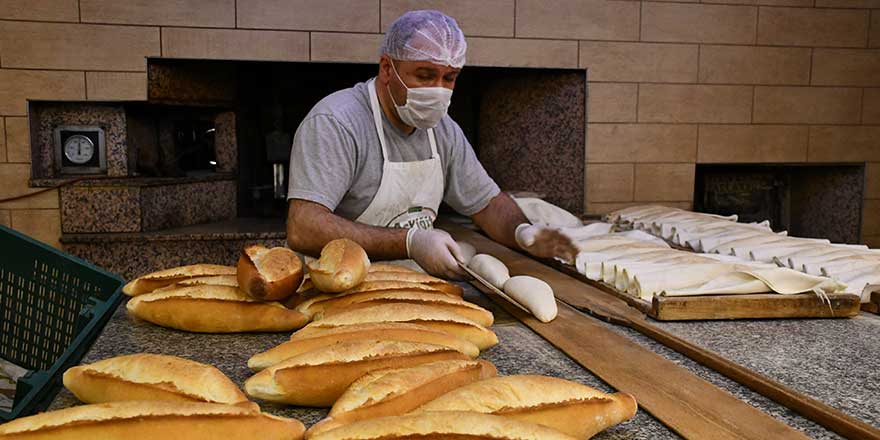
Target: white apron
(409,193)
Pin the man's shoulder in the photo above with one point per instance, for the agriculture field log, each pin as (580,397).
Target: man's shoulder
(347,106)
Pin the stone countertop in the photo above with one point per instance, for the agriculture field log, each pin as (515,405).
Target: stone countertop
(832,360)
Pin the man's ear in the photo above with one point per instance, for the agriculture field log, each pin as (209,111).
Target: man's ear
(385,70)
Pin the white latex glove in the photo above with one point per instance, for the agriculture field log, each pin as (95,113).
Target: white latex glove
(546,242)
(436,252)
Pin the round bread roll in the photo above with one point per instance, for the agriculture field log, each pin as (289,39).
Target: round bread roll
(442,425)
(467,251)
(150,420)
(214,309)
(152,377)
(319,377)
(306,340)
(569,407)
(533,294)
(343,265)
(269,274)
(490,269)
(152,281)
(415,314)
(395,392)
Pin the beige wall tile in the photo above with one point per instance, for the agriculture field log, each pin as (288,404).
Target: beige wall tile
(674,22)
(872,180)
(347,48)
(14,182)
(671,182)
(641,143)
(844,144)
(40,224)
(18,140)
(846,67)
(609,102)
(487,18)
(807,3)
(813,27)
(752,143)
(194,13)
(310,15)
(116,86)
(639,62)
(605,208)
(807,105)
(695,103)
(871,218)
(754,65)
(609,182)
(875,28)
(578,19)
(871,108)
(520,52)
(235,44)
(5,218)
(848,3)
(2,140)
(77,46)
(17,86)
(42,10)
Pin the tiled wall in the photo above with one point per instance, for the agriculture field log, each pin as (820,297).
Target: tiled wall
(671,83)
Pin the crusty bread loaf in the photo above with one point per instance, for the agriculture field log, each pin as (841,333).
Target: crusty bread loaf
(310,339)
(445,302)
(214,309)
(343,265)
(269,274)
(150,420)
(452,425)
(319,377)
(414,314)
(395,392)
(569,407)
(415,277)
(316,303)
(152,281)
(389,267)
(151,377)
(211,280)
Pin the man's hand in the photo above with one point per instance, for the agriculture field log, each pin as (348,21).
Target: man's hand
(546,242)
(436,252)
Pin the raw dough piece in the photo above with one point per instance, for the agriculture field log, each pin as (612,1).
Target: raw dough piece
(467,251)
(540,212)
(533,294)
(491,269)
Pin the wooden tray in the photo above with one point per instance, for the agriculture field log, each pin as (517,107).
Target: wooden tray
(872,306)
(710,307)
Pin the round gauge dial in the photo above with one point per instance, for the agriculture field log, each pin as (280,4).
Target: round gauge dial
(79,149)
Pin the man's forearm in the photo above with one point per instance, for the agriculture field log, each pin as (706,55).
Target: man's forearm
(500,218)
(310,226)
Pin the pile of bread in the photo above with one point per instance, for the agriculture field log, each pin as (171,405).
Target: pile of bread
(392,350)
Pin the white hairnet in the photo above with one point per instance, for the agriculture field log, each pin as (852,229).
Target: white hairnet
(426,35)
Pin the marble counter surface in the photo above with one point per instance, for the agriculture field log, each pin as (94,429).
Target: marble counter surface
(834,361)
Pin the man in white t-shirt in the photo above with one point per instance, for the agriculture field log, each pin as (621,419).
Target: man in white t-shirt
(373,162)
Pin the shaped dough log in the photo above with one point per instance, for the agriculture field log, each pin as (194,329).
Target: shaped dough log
(533,294)
(491,269)
(467,251)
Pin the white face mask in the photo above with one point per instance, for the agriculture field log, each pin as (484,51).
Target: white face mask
(424,107)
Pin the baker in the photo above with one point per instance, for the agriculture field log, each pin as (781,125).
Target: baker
(373,162)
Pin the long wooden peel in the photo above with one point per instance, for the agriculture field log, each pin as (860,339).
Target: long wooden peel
(583,341)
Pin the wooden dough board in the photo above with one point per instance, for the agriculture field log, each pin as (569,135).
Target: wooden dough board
(872,306)
(688,405)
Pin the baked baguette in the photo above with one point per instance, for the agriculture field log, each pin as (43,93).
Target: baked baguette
(311,303)
(311,339)
(415,277)
(444,425)
(319,377)
(152,281)
(445,302)
(395,392)
(343,265)
(214,309)
(211,280)
(150,420)
(415,314)
(152,377)
(569,407)
(269,274)
(390,267)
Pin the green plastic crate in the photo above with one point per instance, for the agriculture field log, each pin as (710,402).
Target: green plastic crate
(52,308)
